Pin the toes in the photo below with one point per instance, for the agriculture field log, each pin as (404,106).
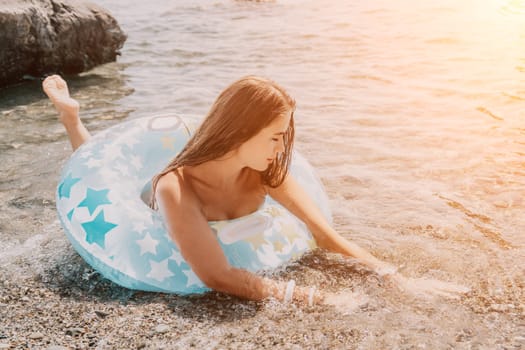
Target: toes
(55,86)
(50,78)
(53,79)
(49,82)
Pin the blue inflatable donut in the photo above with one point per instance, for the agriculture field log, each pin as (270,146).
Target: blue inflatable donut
(108,223)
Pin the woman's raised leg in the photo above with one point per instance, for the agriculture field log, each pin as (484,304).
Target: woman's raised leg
(56,89)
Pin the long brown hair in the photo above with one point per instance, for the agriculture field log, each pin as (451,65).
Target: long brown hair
(242,110)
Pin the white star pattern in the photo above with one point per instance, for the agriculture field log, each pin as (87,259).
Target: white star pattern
(112,151)
(89,147)
(109,175)
(147,244)
(93,163)
(132,141)
(268,256)
(159,270)
(86,154)
(135,161)
(177,257)
(159,224)
(193,280)
(138,226)
(122,168)
(147,219)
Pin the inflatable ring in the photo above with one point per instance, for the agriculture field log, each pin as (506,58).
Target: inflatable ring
(100,207)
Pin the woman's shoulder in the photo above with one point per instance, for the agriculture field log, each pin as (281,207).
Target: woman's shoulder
(178,204)
(175,187)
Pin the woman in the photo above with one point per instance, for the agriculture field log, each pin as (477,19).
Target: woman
(238,156)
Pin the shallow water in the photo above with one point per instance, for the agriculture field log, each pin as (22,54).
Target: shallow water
(412,112)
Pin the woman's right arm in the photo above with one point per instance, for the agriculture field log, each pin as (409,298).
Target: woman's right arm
(197,243)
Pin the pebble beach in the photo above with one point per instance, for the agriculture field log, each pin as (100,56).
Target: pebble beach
(412,114)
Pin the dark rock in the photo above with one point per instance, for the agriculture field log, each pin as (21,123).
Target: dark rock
(40,37)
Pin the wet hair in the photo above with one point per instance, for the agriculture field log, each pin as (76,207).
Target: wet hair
(241,111)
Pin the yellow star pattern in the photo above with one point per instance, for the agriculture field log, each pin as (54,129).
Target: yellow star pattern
(274,211)
(278,246)
(312,244)
(290,231)
(256,240)
(168,142)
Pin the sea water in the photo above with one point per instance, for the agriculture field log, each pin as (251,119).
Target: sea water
(412,112)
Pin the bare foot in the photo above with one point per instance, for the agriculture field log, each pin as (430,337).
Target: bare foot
(56,89)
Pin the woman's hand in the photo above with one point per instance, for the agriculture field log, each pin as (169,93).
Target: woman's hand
(426,287)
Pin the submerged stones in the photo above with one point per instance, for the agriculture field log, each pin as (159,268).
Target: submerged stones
(40,37)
